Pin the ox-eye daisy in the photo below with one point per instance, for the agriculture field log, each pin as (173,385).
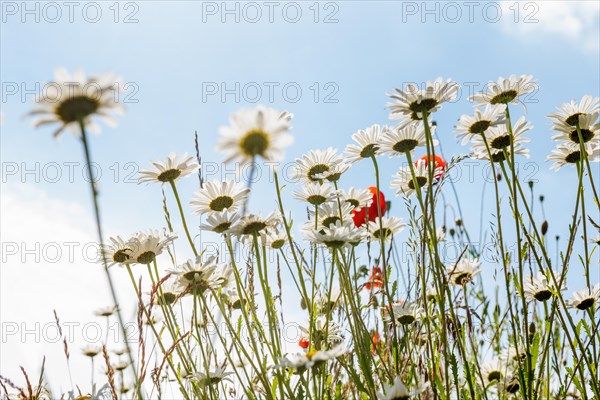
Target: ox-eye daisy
(405,313)
(330,213)
(211,376)
(315,193)
(505,90)
(411,102)
(255,224)
(146,246)
(386,228)
(569,113)
(464,271)
(538,288)
(400,140)
(317,165)
(169,170)
(220,221)
(500,140)
(72,100)
(398,391)
(357,198)
(217,196)
(588,128)
(570,153)
(468,125)
(300,362)
(116,251)
(585,298)
(335,236)
(367,143)
(197,276)
(404,182)
(257,132)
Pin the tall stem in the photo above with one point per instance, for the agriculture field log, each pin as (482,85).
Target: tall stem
(111,285)
(187,232)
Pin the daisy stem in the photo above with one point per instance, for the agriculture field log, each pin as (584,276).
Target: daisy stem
(249,186)
(584,156)
(111,285)
(185,227)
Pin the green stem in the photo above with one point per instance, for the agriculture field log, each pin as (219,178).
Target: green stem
(185,227)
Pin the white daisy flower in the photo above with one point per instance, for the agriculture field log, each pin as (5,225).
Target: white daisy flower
(196,276)
(323,331)
(116,251)
(315,193)
(367,143)
(120,365)
(398,141)
(405,184)
(255,132)
(169,170)
(510,384)
(570,153)
(357,198)
(168,293)
(464,271)
(105,311)
(211,377)
(300,362)
(317,165)
(398,391)
(589,127)
(499,140)
(337,170)
(569,113)
(390,226)
(218,196)
(329,214)
(492,370)
(538,288)
(336,236)
(71,98)
(327,300)
(275,239)
(505,90)
(220,221)
(595,240)
(469,125)
(412,102)
(585,298)
(405,313)
(255,224)
(147,245)
(91,350)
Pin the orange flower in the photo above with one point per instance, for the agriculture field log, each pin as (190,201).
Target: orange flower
(375,280)
(439,163)
(303,343)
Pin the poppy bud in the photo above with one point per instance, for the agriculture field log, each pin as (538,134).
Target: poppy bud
(544,227)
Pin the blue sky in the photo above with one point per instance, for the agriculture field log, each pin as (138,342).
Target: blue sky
(177,49)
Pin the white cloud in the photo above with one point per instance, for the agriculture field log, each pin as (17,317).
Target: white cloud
(574,21)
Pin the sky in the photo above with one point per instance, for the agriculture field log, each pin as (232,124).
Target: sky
(187,66)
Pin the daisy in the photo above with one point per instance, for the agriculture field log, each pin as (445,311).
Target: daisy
(317,165)
(91,350)
(275,239)
(492,371)
(385,227)
(464,271)
(105,311)
(585,298)
(169,170)
(404,182)
(168,294)
(256,132)
(218,196)
(337,170)
(588,127)
(510,385)
(404,313)
(398,391)
(469,125)
(115,252)
(315,193)
(72,99)
(330,213)
(336,236)
(211,377)
(368,142)
(197,276)
(569,113)
(220,221)
(327,300)
(120,365)
(505,90)
(300,362)
(399,141)
(499,140)
(254,224)
(570,153)
(357,198)
(412,102)
(510,357)
(538,288)
(146,246)
(323,331)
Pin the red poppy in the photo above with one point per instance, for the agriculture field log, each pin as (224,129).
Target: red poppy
(303,343)
(375,280)
(439,163)
(376,338)
(360,216)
